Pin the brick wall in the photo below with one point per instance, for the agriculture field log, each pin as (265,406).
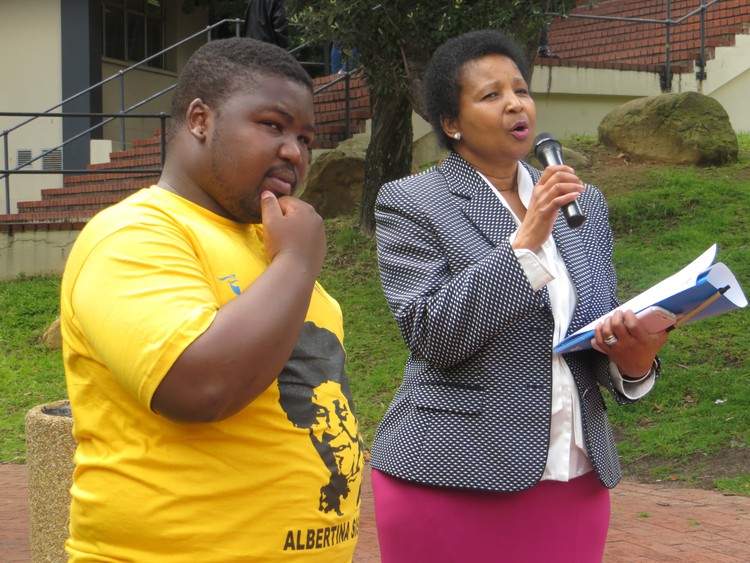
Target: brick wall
(628,45)
(330,110)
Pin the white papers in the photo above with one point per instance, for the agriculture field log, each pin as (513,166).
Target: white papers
(680,293)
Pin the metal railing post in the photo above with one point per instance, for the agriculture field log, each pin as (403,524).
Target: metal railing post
(347,105)
(122,110)
(163,140)
(7,176)
(124,113)
(667,84)
(701,63)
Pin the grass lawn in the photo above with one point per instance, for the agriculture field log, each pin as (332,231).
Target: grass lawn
(692,430)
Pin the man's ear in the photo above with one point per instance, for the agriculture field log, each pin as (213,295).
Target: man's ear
(198,118)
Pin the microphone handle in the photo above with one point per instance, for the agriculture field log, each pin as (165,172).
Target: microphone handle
(549,153)
(573,214)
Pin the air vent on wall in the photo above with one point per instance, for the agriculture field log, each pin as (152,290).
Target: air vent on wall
(23,157)
(52,160)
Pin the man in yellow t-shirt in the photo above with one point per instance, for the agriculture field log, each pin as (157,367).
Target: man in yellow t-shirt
(205,364)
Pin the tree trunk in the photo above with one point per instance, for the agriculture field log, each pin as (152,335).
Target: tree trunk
(389,152)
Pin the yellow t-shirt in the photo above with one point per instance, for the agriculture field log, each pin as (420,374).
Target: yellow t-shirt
(278,481)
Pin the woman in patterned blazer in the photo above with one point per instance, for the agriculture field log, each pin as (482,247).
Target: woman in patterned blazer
(494,448)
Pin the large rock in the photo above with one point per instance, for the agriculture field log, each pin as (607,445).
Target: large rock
(52,337)
(334,180)
(685,128)
(426,152)
(571,158)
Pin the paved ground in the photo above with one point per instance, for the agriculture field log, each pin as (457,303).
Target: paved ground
(650,523)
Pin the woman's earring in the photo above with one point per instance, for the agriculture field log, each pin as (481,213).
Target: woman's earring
(457,136)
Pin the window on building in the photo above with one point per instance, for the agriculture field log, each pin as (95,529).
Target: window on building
(134,30)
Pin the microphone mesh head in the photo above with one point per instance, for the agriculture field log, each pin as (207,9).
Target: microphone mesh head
(541,139)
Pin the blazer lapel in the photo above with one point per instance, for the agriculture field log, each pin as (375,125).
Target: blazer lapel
(572,250)
(481,206)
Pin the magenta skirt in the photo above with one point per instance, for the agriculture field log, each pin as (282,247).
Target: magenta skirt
(553,521)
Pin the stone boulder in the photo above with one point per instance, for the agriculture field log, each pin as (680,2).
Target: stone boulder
(684,128)
(52,337)
(572,158)
(334,178)
(426,152)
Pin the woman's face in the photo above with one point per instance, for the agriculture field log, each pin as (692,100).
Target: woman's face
(497,116)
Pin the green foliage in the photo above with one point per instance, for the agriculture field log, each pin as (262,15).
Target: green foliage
(375,352)
(29,373)
(735,486)
(395,39)
(701,405)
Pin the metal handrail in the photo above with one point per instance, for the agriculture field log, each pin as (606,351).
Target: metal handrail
(110,117)
(7,171)
(134,66)
(668,22)
(126,113)
(345,76)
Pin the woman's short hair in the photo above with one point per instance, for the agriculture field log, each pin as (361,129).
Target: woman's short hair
(442,87)
(221,67)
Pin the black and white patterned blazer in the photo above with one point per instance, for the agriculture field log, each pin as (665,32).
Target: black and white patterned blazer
(474,408)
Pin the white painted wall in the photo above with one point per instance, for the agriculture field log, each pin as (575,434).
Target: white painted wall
(574,100)
(30,79)
(30,75)
(144,82)
(34,253)
(728,81)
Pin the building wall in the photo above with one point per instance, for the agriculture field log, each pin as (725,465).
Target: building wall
(728,81)
(31,78)
(144,82)
(32,82)
(34,253)
(572,100)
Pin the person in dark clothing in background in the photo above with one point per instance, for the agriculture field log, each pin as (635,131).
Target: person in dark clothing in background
(543,51)
(266,20)
(342,59)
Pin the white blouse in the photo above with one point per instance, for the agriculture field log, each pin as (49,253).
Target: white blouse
(567,457)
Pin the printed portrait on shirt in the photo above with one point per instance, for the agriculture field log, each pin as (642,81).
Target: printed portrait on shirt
(315,395)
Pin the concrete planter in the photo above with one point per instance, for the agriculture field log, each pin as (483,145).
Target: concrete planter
(49,456)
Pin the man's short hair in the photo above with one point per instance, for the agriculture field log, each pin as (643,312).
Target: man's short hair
(221,67)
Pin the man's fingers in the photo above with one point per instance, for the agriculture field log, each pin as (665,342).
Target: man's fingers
(269,206)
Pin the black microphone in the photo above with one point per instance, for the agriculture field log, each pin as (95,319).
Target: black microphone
(548,151)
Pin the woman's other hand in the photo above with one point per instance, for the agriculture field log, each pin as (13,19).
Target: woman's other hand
(622,337)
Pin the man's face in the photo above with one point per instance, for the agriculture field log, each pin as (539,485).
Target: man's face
(258,140)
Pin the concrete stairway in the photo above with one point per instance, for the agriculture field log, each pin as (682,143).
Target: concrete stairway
(81,197)
(589,43)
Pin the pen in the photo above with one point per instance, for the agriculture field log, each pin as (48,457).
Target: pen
(685,318)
